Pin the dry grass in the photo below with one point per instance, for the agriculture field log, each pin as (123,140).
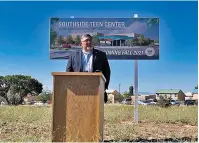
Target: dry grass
(181,114)
(156,124)
(27,123)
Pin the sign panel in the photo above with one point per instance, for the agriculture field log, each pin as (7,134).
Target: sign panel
(119,38)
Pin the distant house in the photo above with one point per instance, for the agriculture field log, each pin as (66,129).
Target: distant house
(189,95)
(175,94)
(29,98)
(195,94)
(114,96)
(144,96)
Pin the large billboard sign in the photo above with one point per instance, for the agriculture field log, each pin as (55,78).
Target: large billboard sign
(119,38)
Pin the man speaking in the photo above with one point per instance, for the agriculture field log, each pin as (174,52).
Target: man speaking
(89,60)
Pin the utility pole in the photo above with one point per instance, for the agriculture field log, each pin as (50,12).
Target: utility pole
(119,87)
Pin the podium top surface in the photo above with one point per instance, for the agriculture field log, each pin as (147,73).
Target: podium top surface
(79,74)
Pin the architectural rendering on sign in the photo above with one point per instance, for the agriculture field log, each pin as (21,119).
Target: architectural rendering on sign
(119,38)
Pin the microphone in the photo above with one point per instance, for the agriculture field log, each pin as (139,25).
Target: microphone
(98,71)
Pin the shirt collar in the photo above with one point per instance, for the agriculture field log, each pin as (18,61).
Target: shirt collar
(84,52)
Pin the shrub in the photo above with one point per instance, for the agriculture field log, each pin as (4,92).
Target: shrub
(164,102)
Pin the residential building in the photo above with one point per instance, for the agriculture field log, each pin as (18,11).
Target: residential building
(176,94)
(114,96)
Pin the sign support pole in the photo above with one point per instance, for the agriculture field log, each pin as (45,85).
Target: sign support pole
(136,87)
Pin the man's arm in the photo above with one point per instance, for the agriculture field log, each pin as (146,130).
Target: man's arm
(106,71)
(69,67)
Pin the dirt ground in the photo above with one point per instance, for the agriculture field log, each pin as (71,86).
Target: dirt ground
(151,132)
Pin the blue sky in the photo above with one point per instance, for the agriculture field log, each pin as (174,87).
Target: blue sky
(24,42)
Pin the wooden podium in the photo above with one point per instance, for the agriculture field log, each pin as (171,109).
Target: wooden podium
(78,107)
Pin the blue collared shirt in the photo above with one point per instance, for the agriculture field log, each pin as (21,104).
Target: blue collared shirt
(87,61)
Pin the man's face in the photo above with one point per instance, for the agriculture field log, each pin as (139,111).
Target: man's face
(87,44)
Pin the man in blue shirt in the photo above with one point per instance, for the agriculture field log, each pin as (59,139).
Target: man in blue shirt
(89,59)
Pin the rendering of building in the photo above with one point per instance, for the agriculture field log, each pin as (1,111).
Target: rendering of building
(117,39)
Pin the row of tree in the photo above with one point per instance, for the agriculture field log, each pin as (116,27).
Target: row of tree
(13,88)
(70,40)
(139,41)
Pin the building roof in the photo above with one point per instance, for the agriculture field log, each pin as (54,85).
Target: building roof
(115,37)
(188,93)
(170,91)
(195,91)
(110,91)
(123,34)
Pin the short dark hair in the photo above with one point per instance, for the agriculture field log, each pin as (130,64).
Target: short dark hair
(86,36)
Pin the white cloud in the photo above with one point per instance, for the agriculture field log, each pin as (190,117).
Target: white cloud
(136,27)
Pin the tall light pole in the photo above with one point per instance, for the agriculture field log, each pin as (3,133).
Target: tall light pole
(119,87)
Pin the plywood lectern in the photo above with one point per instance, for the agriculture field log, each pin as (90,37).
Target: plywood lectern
(78,107)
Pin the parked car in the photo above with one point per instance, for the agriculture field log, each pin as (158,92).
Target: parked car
(66,46)
(39,103)
(151,45)
(175,102)
(153,101)
(145,102)
(189,102)
(127,101)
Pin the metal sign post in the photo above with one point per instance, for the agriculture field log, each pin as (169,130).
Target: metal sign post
(136,86)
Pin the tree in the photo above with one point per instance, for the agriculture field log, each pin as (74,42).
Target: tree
(95,40)
(131,42)
(164,102)
(141,40)
(146,41)
(131,90)
(156,41)
(77,39)
(34,87)
(152,21)
(149,21)
(196,87)
(14,87)
(61,40)
(2,99)
(53,36)
(25,84)
(14,96)
(46,95)
(54,20)
(4,87)
(126,95)
(53,33)
(70,39)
